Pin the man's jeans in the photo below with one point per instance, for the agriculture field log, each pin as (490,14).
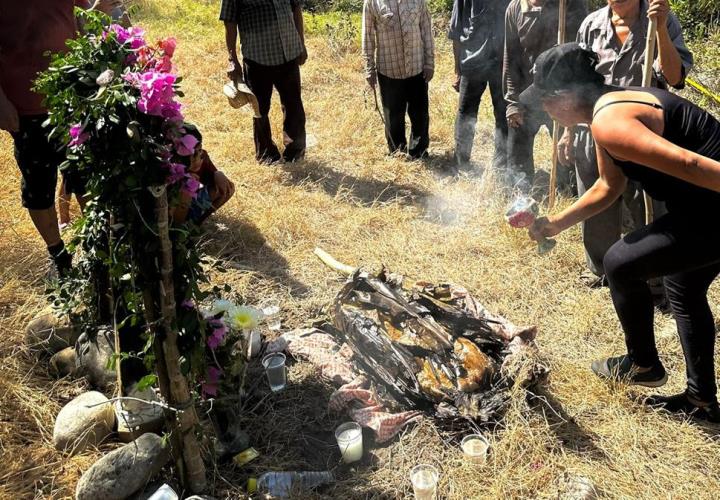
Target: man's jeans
(472,88)
(286,79)
(401,95)
(521,142)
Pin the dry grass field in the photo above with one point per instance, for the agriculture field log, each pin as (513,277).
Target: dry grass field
(366,209)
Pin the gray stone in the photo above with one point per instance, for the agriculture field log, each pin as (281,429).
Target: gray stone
(92,357)
(49,334)
(135,421)
(62,363)
(124,471)
(77,426)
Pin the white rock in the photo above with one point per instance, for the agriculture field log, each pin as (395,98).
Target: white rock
(50,334)
(124,471)
(77,426)
(62,363)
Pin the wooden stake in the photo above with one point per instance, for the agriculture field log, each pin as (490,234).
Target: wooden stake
(562,15)
(179,396)
(647,82)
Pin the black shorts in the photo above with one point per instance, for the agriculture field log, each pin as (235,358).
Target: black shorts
(38,160)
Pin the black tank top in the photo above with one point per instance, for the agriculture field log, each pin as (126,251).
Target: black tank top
(691,128)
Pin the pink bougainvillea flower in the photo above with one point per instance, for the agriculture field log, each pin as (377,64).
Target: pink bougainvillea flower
(77,136)
(168,46)
(217,335)
(212,382)
(191,187)
(176,172)
(188,304)
(185,145)
(120,32)
(157,94)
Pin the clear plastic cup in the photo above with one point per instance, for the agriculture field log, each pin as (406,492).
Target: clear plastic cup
(275,370)
(475,448)
(271,310)
(349,439)
(424,480)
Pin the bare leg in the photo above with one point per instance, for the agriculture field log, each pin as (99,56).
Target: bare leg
(64,199)
(46,223)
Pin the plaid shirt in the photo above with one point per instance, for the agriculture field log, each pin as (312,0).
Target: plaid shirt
(397,38)
(268,35)
(622,65)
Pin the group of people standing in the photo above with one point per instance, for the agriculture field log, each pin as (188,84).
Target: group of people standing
(620,139)
(495,46)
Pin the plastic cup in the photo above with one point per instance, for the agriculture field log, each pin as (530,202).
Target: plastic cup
(275,370)
(349,440)
(424,480)
(271,310)
(475,448)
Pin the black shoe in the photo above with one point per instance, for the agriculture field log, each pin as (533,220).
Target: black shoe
(679,403)
(622,369)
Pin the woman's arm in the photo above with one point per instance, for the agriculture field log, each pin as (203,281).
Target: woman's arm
(608,188)
(629,138)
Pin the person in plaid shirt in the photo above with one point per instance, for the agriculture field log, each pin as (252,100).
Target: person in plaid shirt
(398,49)
(272,42)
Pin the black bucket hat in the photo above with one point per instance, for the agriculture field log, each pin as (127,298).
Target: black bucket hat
(561,68)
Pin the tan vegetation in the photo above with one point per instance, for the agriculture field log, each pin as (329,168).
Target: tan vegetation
(367,209)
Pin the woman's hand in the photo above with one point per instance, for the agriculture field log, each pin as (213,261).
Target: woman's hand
(543,228)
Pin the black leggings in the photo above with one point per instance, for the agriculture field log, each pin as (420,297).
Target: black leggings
(688,257)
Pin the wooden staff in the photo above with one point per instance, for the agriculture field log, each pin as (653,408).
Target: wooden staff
(179,396)
(647,82)
(562,15)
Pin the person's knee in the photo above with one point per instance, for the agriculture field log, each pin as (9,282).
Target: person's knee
(616,264)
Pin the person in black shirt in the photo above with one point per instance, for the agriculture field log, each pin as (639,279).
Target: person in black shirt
(672,149)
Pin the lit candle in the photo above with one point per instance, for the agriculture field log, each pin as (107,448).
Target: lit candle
(424,481)
(349,439)
(475,447)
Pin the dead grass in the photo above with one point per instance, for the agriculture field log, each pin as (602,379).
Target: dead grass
(368,209)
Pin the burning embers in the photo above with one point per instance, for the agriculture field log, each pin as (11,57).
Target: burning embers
(433,347)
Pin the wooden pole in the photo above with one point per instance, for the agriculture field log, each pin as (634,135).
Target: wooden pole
(179,396)
(562,16)
(647,82)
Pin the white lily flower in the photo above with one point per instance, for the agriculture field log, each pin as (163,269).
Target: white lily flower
(244,317)
(221,306)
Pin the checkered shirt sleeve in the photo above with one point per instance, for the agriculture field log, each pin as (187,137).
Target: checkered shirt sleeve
(228,11)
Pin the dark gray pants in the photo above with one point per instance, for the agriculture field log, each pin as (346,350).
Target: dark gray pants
(601,232)
(472,88)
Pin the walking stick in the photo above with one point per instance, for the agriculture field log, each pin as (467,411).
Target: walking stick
(647,82)
(556,127)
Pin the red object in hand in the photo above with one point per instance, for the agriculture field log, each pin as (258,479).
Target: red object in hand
(520,220)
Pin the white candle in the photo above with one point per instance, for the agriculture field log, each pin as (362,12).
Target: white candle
(475,448)
(349,438)
(424,481)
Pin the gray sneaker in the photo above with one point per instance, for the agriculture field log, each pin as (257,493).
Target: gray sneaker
(622,369)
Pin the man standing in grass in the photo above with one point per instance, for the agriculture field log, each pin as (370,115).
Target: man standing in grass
(272,42)
(399,54)
(617,33)
(477,32)
(28,31)
(531,27)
